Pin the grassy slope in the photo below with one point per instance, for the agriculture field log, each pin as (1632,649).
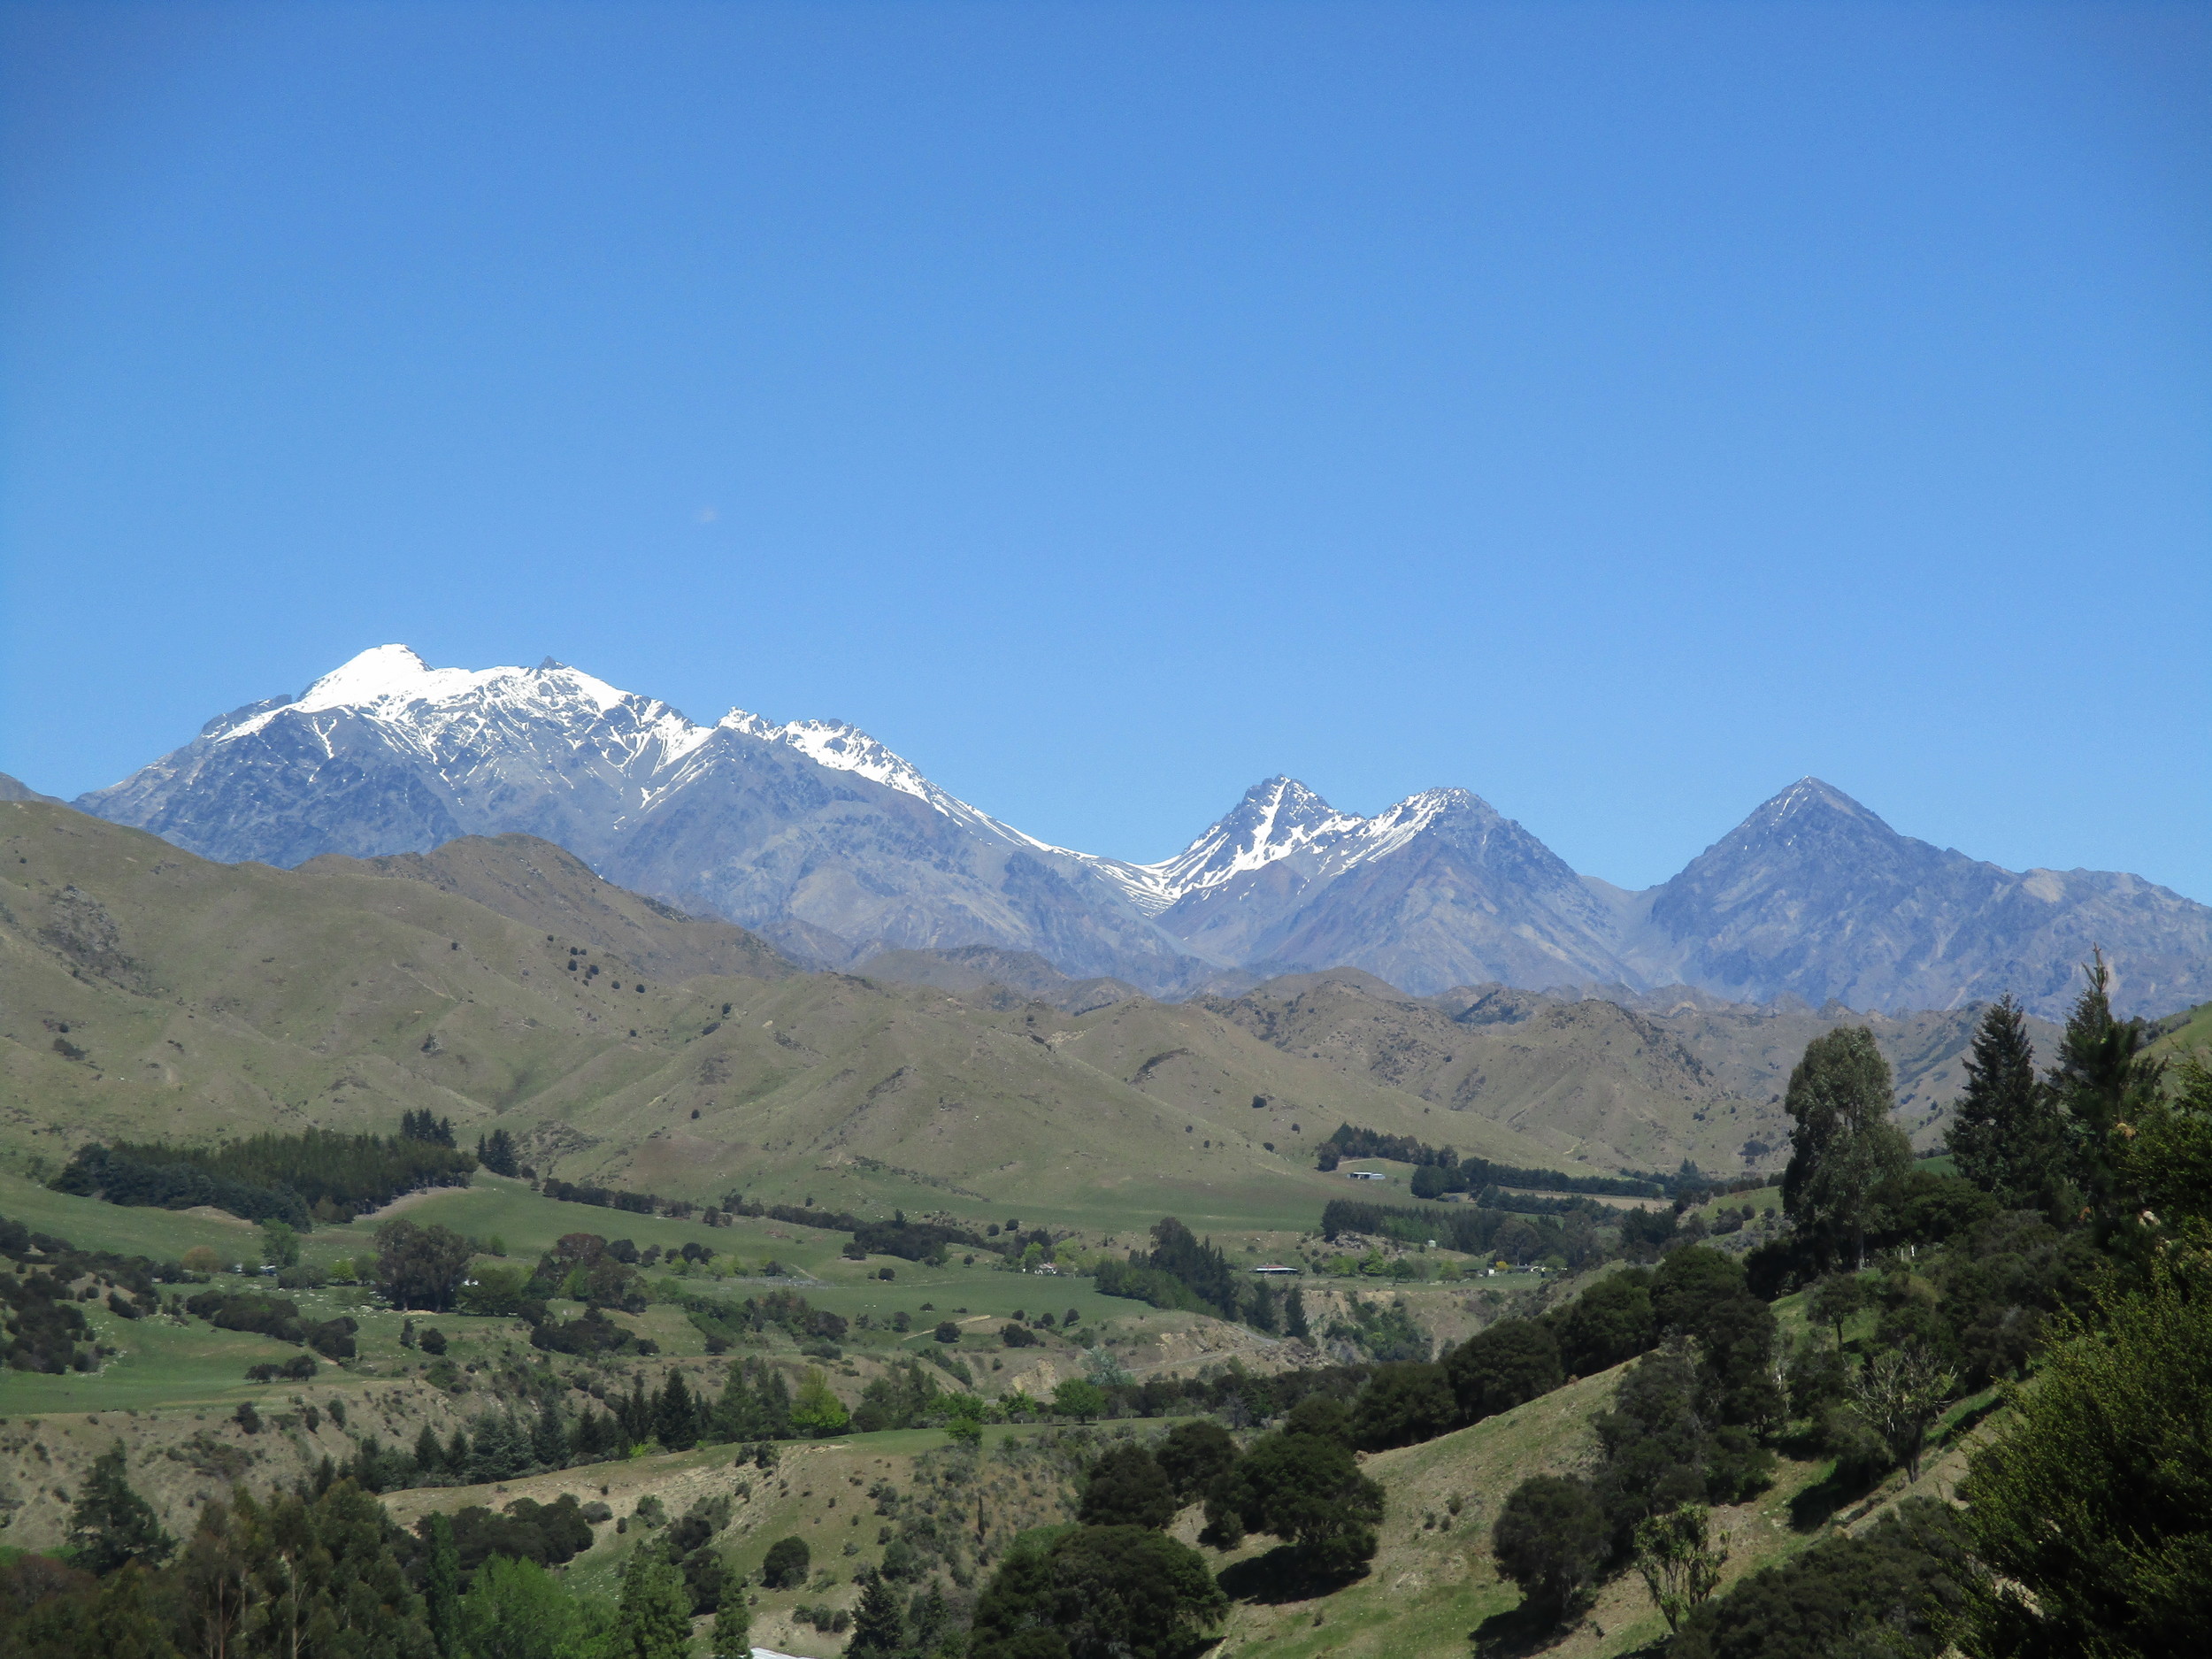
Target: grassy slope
(211,999)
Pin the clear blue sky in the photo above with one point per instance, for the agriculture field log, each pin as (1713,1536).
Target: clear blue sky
(1619,411)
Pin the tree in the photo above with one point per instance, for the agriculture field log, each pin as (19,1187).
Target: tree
(1097,1593)
(1080,1397)
(653,1618)
(420,1267)
(441,1585)
(280,1245)
(1549,1539)
(879,1625)
(1834,1299)
(732,1634)
(1896,1590)
(675,1420)
(1192,1455)
(1403,1404)
(2006,1136)
(1679,1559)
(1607,1323)
(1294,1325)
(2094,1509)
(1843,1145)
(2101,1084)
(516,1609)
(786,1563)
(1128,1488)
(111,1526)
(1494,1371)
(1307,1490)
(817,1410)
(1898,1393)
(497,1153)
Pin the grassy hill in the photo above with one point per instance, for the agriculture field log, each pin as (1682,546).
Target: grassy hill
(148,992)
(1642,1083)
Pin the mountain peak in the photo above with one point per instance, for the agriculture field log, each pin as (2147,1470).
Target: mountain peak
(1810,794)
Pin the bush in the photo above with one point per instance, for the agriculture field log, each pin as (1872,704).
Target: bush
(1403,1404)
(1128,1488)
(1096,1590)
(1494,1371)
(786,1563)
(1900,1589)
(1549,1539)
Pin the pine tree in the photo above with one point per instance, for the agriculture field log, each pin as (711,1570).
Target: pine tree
(735,1413)
(1843,1145)
(1294,1316)
(635,1413)
(878,1628)
(429,1456)
(653,1620)
(2102,1083)
(732,1636)
(111,1526)
(675,1422)
(441,1585)
(548,1440)
(775,1407)
(2005,1136)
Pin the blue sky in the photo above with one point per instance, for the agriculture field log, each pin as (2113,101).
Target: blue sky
(1620,410)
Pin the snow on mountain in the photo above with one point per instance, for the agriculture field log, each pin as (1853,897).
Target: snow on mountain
(819,836)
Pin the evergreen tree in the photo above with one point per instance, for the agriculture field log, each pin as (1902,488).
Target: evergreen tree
(2101,1084)
(635,1413)
(2005,1136)
(675,1422)
(1295,1316)
(732,1635)
(1843,1145)
(775,1407)
(548,1440)
(653,1619)
(497,1153)
(111,1526)
(734,1411)
(441,1585)
(878,1628)
(429,1456)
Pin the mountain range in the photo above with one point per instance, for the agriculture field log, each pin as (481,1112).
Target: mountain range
(817,837)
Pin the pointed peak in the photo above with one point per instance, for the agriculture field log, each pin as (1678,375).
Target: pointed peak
(1810,794)
(376,672)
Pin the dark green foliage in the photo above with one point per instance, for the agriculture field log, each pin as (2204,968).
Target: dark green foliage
(2100,1086)
(1549,1539)
(1667,1442)
(2006,1134)
(879,1622)
(1127,1488)
(2096,1500)
(585,1268)
(1193,1455)
(1474,1229)
(1448,1173)
(1403,1404)
(1179,1271)
(1701,1292)
(425,1125)
(1607,1323)
(1304,1487)
(653,1620)
(420,1267)
(592,1333)
(675,1419)
(1495,1369)
(1843,1146)
(1900,1589)
(900,1399)
(1097,1593)
(1017,1336)
(442,1581)
(784,1310)
(786,1563)
(297,1180)
(497,1153)
(110,1525)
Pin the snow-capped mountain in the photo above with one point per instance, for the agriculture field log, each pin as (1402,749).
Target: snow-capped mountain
(812,832)
(817,835)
